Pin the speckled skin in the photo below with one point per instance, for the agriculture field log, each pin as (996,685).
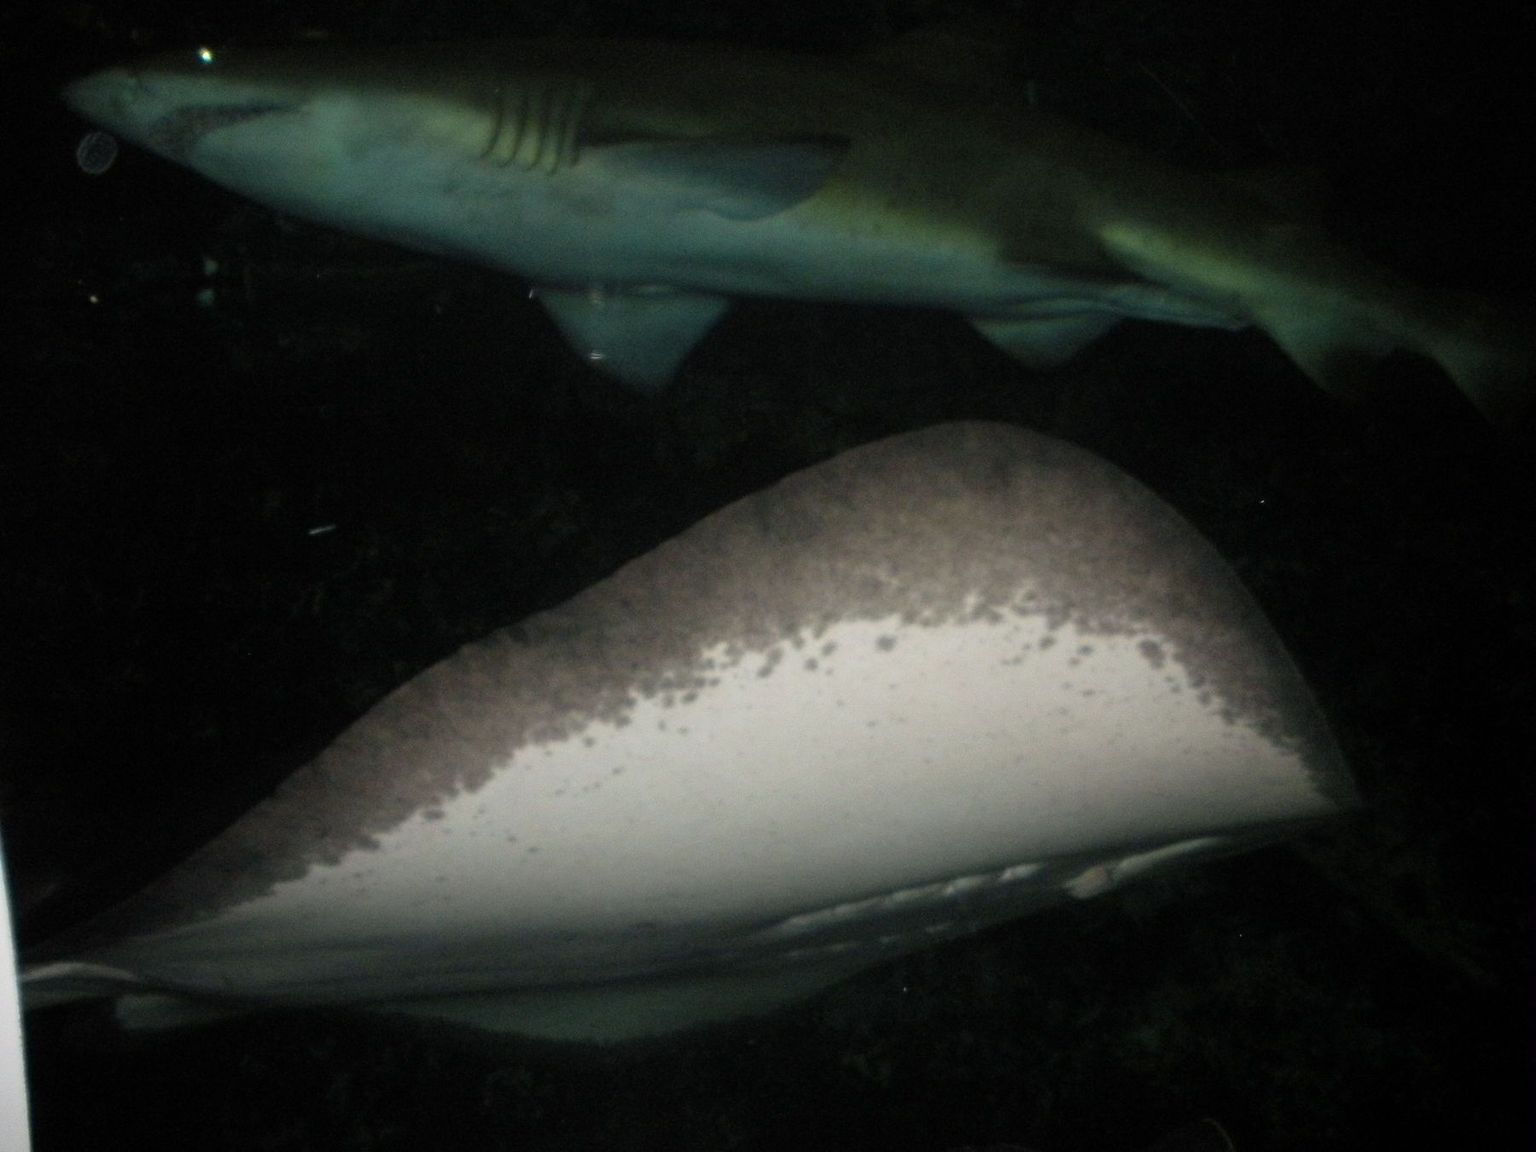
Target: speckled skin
(1041,558)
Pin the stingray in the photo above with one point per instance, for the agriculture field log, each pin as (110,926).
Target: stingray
(929,685)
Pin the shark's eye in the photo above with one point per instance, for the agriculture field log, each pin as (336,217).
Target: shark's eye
(205,55)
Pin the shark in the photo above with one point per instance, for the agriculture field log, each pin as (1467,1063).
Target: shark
(639,187)
(924,687)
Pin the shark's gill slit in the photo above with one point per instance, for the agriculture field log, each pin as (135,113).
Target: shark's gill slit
(498,103)
(536,132)
(525,121)
(573,107)
(512,117)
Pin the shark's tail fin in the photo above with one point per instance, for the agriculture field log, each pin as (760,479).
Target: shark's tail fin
(1488,351)
(1334,313)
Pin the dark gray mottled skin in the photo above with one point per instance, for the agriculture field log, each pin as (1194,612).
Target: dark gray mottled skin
(960,518)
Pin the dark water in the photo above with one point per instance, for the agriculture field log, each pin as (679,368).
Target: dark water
(254,474)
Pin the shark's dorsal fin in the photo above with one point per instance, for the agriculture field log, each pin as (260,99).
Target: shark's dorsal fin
(639,335)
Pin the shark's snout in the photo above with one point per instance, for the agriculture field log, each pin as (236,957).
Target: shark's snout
(165,113)
(103,97)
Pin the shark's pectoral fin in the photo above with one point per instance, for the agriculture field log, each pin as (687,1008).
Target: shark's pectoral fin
(1045,341)
(639,335)
(731,178)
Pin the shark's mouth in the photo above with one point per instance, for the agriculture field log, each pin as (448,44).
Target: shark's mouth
(174,134)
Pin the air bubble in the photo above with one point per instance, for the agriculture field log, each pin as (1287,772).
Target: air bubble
(96,152)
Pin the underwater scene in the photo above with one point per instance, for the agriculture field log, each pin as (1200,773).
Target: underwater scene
(873,577)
